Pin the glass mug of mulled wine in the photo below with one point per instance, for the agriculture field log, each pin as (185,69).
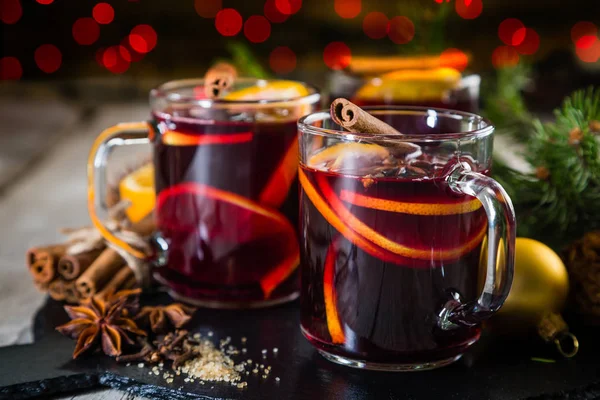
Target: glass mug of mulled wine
(392,230)
(225,176)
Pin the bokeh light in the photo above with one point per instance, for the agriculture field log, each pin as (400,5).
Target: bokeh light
(134,55)
(10,69)
(505,56)
(347,8)
(583,28)
(282,60)
(337,55)
(86,31)
(10,11)
(508,29)
(143,38)
(588,48)
(100,55)
(288,7)
(112,59)
(257,29)
(454,58)
(45,2)
(469,9)
(375,25)
(401,30)
(273,14)
(103,13)
(208,8)
(48,58)
(530,43)
(228,22)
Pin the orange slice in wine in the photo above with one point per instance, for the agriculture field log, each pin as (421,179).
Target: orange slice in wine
(173,138)
(375,203)
(138,188)
(273,222)
(348,151)
(333,321)
(278,186)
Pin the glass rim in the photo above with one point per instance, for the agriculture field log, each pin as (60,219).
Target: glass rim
(168,92)
(305,125)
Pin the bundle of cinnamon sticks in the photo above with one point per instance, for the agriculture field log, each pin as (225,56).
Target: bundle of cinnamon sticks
(73,277)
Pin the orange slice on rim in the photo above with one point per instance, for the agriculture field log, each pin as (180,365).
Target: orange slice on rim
(277,223)
(265,90)
(333,320)
(361,200)
(278,186)
(173,138)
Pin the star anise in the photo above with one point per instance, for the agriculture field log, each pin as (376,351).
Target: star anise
(160,317)
(176,346)
(99,320)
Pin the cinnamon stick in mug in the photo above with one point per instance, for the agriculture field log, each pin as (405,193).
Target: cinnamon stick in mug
(99,273)
(354,119)
(42,261)
(218,79)
(71,266)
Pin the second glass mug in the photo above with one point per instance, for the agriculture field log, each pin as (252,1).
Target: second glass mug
(226,192)
(393,238)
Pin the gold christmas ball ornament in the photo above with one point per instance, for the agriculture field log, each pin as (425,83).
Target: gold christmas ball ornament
(538,294)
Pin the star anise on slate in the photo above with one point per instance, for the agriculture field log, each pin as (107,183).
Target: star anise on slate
(98,320)
(160,317)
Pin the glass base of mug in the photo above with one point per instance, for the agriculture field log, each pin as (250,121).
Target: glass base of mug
(361,364)
(232,305)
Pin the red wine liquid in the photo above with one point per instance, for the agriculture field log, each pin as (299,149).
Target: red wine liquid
(222,241)
(388,309)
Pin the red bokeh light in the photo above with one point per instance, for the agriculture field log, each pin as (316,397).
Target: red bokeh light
(10,11)
(454,58)
(505,56)
(257,29)
(273,14)
(337,55)
(288,7)
(375,25)
(282,60)
(48,58)
(583,28)
(100,56)
(103,13)
(585,42)
(588,49)
(507,30)
(86,31)
(10,69)
(112,59)
(469,9)
(134,56)
(401,30)
(143,38)
(348,8)
(45,2)
(228,22)
(208,8)
(530,43)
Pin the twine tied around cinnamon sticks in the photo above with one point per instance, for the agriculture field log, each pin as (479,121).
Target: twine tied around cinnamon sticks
(86,265)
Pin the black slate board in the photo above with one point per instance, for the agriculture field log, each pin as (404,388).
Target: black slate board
(495,368)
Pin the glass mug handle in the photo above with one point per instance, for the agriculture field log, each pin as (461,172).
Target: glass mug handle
(118,135)
(500,252)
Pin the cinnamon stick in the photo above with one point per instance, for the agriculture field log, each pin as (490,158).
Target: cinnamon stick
(42,261)
(99,273)
(71,266)
(71,293)
(218,79)
(124,279)
(354,119)
(56,289)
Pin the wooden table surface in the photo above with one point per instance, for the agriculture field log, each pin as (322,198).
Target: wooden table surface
(43,150)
